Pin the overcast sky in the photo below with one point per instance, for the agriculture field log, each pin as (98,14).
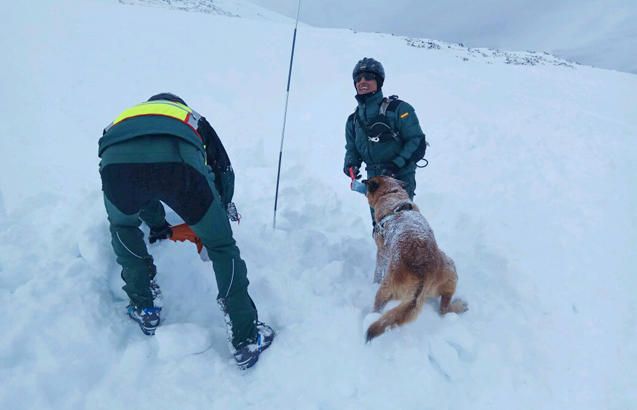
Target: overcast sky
(597,32)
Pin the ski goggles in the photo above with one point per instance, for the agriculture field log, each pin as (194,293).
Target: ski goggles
(365,76)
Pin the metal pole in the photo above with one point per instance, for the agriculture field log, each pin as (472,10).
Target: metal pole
(285,116)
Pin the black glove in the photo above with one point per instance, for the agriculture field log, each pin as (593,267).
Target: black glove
(389,170)
(160,232)
(233,214)
(356,172)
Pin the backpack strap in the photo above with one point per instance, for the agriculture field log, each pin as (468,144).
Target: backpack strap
(352,117)
(358,119)
(389,104)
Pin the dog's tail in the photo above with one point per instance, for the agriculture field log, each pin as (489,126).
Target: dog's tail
(401,314)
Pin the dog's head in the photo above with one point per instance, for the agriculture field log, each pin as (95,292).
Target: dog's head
(380,186)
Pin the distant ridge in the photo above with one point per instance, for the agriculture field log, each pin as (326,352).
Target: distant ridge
(228,8)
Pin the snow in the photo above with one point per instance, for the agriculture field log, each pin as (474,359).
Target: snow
(530,190)
(593,32)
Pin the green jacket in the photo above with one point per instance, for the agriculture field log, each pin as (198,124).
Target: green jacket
(141,150)
(359,148)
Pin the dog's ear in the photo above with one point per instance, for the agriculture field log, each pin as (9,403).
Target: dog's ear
(371,186)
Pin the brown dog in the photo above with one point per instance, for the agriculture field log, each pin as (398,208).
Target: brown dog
(411,265)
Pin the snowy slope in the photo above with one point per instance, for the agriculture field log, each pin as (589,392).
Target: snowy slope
(530,190)
(229,8)
(601,33)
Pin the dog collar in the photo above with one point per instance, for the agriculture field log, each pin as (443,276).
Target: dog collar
(380,226)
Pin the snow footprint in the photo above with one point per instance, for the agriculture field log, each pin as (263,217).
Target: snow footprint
(176,341)
(452,350)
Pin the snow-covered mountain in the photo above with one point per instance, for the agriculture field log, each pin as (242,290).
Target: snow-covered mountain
(530,189)
(228,8)
(601,33)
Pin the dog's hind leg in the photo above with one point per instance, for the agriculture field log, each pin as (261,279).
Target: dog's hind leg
(446,293)
(448,288)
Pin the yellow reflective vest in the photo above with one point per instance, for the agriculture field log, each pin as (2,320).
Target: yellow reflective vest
(164,108)
(159,117)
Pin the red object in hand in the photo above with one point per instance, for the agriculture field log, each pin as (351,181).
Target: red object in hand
(356,185)
(183,232)
(352,174)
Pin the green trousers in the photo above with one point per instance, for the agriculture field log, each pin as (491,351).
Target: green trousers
(181,179)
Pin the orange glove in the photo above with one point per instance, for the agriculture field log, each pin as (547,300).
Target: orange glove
(182,232)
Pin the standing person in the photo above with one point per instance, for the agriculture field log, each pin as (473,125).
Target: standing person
(162,150)
(382,132)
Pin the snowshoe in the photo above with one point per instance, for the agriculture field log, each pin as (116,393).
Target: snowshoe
(247,354)
(147,318)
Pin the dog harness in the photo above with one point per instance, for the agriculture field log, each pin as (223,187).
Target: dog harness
(379,228)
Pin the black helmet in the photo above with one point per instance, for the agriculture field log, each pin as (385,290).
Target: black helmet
(369,65)
(168,97)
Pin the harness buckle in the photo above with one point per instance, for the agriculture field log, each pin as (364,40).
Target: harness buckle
(374,139)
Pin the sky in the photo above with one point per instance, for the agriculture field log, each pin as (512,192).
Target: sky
(529,189)
(596,32)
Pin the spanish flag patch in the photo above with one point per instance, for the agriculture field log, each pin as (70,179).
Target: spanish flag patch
(405,115)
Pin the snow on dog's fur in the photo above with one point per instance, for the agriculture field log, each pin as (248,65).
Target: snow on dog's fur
(411,265)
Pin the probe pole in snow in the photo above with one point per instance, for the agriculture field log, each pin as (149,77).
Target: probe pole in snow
(285,115)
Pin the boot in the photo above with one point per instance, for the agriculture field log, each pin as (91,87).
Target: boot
(147,318)
(248,352)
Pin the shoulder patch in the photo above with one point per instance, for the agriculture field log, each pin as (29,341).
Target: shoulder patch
(404,115)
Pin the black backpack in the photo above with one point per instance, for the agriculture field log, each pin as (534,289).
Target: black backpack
(381,131)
